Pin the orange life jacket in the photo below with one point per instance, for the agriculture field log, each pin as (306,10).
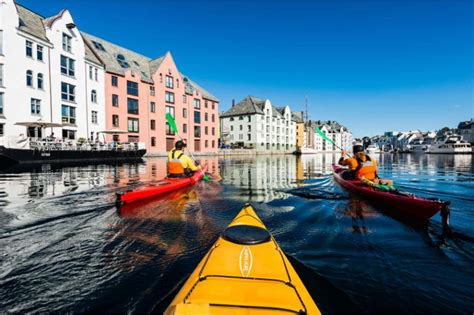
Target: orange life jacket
(174,165)
(367,169)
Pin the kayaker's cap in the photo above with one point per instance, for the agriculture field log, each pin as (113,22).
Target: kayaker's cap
(180,144)
(358,147)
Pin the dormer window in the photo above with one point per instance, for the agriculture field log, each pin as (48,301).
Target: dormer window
(98,45)
(122,61)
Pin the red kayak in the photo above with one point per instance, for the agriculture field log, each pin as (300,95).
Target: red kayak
(163,186)
(403,203)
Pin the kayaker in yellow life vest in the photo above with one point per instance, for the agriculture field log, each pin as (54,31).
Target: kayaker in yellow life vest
(179,164)
(360,165)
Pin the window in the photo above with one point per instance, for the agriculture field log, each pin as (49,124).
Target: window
(249,137)
(68,114)
(93,96)
(67,66)
(39,52)
(115,100)
(170,110)
(90,72)
(133,125)
(29,49)
(197,131)
(213,143)
(67,42)
(29,78)
(152,90)
(69,134)
(177,83)
(231,118)
(185,113)
(197,117)
(1,103)
(197,103)
(231,128)
(98,45)
(169,131)
(161,78)
(241,117)
(205,117)
(241,127)
(132,106)
(122,62)
(213,107)
(114,80)
(213,118)
(68,92)
(249,118)
(94,117)
(1,74)
(185,128)
(206,143)
(132,88)
(2,130)
(250,128)
(35,106)
(169,97)
(184,99)
(1,42)
(96,74)
(153,141)
(39,82)
(206,131)
(169,82)
(152,124)
(213,131)
(115,120)
(152,107)
(205,103)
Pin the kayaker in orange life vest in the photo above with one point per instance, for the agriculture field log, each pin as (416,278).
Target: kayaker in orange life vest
(361,166)
(179,164)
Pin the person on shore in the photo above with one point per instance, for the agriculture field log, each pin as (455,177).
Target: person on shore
(179,164)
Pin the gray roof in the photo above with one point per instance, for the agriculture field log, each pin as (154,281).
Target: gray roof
(136,62)
(191,86)
(248,106)
(31,22)
(331,125)
(297,117)
(90,55)
(466,124)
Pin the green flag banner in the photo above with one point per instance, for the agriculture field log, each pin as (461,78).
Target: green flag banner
(318,131)
(170,120)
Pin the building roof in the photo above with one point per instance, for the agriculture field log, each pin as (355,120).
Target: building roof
(192,86)
(118,59)
(331,125)
(248,106)
(466,124)
(31,22)
(297,117)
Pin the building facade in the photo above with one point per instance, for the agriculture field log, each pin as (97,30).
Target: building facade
(255,123)
(341,136)
(300,129)
(140,91)
(43,76)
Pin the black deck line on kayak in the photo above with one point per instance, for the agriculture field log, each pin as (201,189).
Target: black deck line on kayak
(260,307)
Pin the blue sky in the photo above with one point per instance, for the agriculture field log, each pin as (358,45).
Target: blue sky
(372,65)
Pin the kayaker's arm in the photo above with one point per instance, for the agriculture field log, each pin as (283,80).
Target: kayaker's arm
(341,159)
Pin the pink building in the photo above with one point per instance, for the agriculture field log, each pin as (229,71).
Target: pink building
(140,91)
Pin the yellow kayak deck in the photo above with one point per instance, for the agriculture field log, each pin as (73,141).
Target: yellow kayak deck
(245,272)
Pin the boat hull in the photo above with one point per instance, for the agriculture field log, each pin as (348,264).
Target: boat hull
(164,186)
(397,204)
(31,156)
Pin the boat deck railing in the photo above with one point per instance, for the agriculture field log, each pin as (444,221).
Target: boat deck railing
(72,145)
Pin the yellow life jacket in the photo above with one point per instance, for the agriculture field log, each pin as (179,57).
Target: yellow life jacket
(367,170)
(174,164)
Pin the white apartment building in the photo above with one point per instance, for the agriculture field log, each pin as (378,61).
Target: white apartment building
(47,73)
(336,132)
(256,123)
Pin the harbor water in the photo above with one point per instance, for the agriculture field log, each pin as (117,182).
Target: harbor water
(66,247)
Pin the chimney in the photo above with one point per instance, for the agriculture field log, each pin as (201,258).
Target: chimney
(233,102)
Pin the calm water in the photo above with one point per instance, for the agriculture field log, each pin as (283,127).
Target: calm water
(66,248)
